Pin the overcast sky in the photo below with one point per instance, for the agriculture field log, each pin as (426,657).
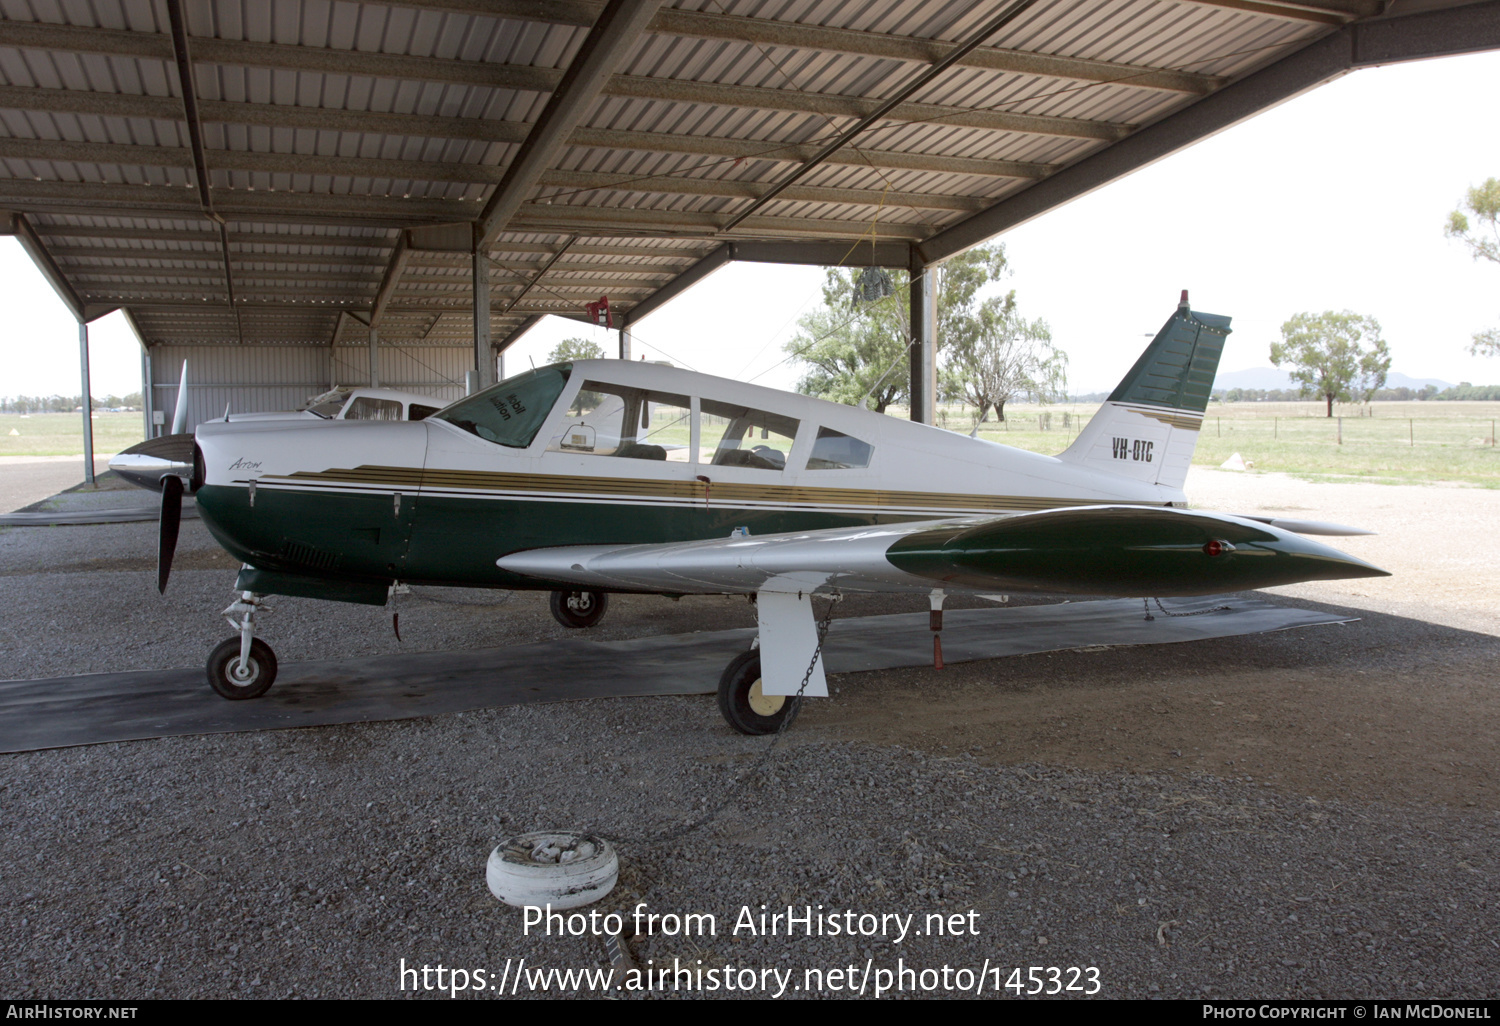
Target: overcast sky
(1335,200)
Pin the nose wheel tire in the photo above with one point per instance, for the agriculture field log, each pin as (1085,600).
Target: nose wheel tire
(579,608)
(235,681)
(745,706)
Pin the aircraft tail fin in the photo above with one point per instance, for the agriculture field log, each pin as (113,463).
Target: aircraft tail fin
(1148,427)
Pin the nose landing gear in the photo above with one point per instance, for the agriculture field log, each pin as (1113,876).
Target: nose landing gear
(242,667)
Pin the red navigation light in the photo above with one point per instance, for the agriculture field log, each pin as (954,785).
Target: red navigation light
(1216,547)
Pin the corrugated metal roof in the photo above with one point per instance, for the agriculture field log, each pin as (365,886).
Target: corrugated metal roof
(329,128)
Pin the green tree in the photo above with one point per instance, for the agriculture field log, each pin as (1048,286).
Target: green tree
(858,349)
(993,355)
(854,349)
(1483,242)
(1334,355)
(570,349)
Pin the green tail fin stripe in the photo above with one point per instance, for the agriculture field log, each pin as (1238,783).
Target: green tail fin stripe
(1177,369)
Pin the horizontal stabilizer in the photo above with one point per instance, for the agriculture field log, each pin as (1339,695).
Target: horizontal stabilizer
(1321,527)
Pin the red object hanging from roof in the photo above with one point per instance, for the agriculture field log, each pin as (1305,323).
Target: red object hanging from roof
(599,312)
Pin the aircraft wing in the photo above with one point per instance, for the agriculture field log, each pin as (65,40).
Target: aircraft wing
(1117,550)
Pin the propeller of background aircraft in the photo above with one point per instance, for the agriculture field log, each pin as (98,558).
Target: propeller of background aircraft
(171,487)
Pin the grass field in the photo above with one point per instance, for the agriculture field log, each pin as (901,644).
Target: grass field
(1401,443)
(61,434)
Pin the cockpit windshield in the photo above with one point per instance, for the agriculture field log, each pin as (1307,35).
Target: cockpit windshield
(512,412)
(328,404)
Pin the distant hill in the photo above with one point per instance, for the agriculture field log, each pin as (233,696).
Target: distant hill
(1270,377)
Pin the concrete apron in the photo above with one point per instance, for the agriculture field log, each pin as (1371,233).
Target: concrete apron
(100,707)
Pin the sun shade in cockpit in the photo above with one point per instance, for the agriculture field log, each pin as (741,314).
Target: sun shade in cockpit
(511,412)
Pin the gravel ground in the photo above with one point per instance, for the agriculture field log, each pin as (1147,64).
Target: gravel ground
(1310,813)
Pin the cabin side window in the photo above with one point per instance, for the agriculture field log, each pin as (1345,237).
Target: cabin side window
(512,412)
(743,437)
(632,423)
(416,411)
(835,450)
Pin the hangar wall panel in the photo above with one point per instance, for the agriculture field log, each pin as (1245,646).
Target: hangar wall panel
(251,379)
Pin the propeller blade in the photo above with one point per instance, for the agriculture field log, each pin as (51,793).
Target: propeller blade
(171,520)
(180,414)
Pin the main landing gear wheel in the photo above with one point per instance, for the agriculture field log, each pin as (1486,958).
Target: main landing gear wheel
(579,608)
(234,681)
(745,706)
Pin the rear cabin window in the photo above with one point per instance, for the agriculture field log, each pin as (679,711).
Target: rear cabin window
(835,450)
(631,423)
(416,411)
(743,437)
(369,408)
(512,412)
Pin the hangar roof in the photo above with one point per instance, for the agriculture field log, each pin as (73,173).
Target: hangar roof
(332,162)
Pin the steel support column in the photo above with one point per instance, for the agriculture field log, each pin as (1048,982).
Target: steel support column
(484,352)
(148,401)
(374,357)
(923,351)
(88,405)
(624,341)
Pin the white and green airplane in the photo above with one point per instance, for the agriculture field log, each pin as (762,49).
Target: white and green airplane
(604,476)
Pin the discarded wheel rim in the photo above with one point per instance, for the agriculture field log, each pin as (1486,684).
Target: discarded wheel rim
(552,867)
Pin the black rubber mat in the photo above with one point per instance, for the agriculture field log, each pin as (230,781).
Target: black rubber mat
(100,707)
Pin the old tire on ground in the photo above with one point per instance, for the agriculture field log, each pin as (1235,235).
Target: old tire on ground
(745,707)
(234,682)
(579,608)
(551,867)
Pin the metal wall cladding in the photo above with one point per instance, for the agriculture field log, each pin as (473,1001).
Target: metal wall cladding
(250,379)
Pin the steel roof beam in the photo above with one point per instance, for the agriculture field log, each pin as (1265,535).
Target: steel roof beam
(824,254)
(886,106)
(391,280)
(680,284)
(120,199)
(680,186)
(1326,12)
(1441,33)
(322,119)
(612,36)
(796,153)
(56,277)
(530,79)
(572,12)
(792,35)
(241,259)
(402,170)
(581,218)
(158,234)
(243,239)
(515,333)
(168,275)
(840,105)
(172,306)
(800,36)
(189,95)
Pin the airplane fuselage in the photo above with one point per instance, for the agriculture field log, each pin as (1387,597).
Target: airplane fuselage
(644,456)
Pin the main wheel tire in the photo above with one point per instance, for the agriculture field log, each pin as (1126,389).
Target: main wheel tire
(745,706)
(226,677)
(579,608)
(527,870)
